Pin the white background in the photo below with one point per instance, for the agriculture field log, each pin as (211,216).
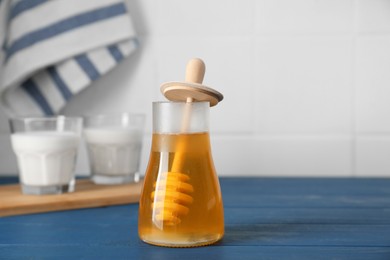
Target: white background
(306,82)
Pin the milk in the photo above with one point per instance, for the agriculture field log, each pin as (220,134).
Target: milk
(45,158)
(113,151)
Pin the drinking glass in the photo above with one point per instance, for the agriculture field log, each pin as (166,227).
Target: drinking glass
(46,150)
(114,145)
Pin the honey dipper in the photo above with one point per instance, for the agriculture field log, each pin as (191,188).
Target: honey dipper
(172,195)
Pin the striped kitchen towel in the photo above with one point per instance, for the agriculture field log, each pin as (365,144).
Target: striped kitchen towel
(53,49)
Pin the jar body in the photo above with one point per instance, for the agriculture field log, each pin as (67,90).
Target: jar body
(181,203)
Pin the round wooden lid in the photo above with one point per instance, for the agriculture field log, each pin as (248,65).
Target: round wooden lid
(191,90)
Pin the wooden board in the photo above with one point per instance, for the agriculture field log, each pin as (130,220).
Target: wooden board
(87,195)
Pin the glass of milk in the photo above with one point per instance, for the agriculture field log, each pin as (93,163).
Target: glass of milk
(114,145)
(46,150)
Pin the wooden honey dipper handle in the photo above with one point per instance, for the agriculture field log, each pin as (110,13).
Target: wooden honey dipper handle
(194,74)
(195,71)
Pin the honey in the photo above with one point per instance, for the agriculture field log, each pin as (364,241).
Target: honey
(181,203)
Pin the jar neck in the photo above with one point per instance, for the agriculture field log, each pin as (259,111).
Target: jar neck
(180,117)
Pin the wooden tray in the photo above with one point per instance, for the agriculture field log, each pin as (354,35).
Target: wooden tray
(87,195)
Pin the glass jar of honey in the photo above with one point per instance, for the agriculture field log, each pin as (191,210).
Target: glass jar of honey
(181,202)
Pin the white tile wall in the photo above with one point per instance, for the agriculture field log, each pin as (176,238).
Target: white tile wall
(304,16)
(372,155)
(283,155)
(306,83)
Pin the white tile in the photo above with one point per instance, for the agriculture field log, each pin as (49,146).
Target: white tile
(305,156)
(304,85)
(373,84)
(233,155)
(229,63)
(282,156)
(304,16)
(373,156)
(203,17)
(373,16)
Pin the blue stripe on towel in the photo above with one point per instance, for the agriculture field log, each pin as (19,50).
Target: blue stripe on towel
(88,67)
(116,53)
(60,83)
(31,88)
(22,6)
(65,25)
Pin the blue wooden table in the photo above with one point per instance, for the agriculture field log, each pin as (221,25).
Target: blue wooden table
(265,218)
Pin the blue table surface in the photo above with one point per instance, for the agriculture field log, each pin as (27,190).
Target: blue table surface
(265,218)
